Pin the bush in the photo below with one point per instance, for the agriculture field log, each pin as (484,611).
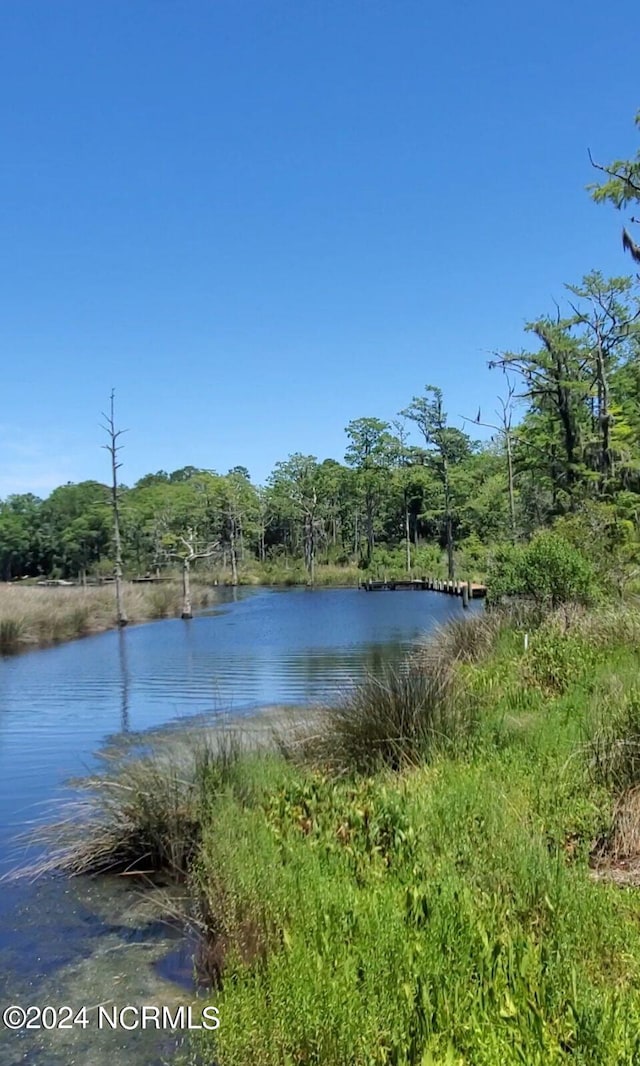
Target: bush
(549,570)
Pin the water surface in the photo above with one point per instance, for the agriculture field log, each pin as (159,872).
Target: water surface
(59,706)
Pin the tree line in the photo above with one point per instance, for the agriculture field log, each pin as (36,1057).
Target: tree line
(412,491)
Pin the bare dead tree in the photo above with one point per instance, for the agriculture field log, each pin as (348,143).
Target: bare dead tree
(188,555)
(404,460)
(505,416)
(109,426)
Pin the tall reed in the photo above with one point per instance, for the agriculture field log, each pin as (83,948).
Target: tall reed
(32,615)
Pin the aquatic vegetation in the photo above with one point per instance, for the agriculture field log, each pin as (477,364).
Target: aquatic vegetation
(399,718)
(417,884)
(31,615)
(142,814)
(11,633)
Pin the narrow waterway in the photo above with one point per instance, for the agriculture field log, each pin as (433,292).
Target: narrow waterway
(89,942)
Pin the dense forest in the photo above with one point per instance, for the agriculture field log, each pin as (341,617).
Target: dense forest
(412,492)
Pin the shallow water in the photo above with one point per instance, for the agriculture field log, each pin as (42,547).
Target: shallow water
(85,942)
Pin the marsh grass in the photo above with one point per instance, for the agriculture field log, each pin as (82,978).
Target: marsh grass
(408,899)
(12,632)
(408,715)
(464,640)
(292,573)
(142,815)
(398,718)
(31,616)
(613,747)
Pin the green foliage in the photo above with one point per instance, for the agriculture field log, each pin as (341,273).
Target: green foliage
(548,570)
(445,914)
(431,919)
(606,534)
(558,659)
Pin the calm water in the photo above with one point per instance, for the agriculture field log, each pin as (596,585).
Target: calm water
(59,706)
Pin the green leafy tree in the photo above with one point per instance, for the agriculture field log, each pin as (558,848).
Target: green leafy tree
(294,485)
(608,325)
(446,447)
(370,454)
(621,188)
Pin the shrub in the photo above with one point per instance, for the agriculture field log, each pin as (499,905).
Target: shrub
(549,570)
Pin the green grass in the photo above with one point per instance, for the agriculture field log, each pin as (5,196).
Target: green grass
(442,914)
(446,914)
(438,905)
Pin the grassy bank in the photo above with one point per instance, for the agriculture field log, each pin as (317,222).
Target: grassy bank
(452,902)
(31,616)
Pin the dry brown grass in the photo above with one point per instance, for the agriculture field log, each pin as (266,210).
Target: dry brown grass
(617,858)
(625,838)
(32,616)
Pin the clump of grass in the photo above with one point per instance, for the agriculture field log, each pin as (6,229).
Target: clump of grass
(466,640)
(406,715)
(609,626)
(147,816)
(162,599)
(11,633)
(623,841)
(614,762)
(79,621)
(615,744)
(393,720)
(558,659)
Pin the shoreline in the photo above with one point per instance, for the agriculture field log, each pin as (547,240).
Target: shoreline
(34,617)
(296,862)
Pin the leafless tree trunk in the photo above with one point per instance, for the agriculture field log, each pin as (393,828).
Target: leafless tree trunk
(113,448)
(188,555)
(512,500)
(233,550)
(186,588)
(505,416)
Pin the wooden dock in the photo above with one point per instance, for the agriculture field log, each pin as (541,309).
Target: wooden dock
(468,590)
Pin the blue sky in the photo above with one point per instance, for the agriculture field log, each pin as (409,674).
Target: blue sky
(259,219)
